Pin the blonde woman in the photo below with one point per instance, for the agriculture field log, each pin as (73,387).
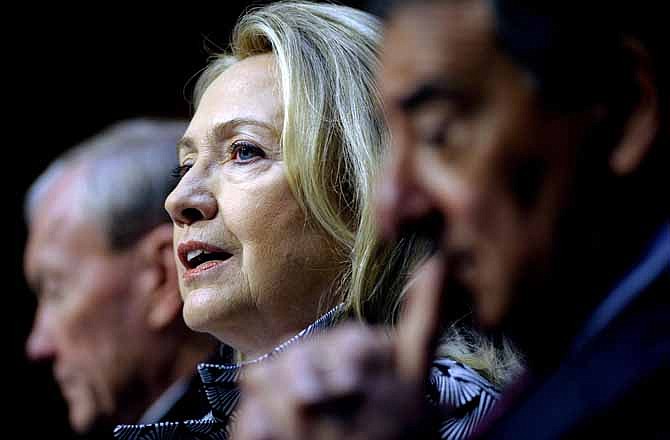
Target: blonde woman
(273,226)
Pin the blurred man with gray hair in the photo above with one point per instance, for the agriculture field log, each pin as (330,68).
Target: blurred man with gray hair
(99,257)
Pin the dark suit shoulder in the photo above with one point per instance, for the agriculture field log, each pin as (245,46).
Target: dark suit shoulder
(614,387)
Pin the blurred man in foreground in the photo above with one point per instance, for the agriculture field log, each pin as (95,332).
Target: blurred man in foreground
(99,257)
(542,146)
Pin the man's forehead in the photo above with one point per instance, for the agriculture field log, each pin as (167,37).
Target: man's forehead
(59,224)
(429,39)
(60,202)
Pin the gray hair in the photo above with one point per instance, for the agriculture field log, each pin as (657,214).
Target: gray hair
(126,176)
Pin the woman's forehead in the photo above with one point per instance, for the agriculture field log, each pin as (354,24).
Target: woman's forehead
(247,91)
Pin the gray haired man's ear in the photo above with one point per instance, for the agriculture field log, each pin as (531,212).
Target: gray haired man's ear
(158,278)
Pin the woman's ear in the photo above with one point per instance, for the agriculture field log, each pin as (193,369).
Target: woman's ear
(160,284)
(642,124)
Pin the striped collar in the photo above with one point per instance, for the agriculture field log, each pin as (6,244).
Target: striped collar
(220,380)
(221,384)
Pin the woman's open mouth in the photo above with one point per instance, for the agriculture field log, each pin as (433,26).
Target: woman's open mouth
(198,257)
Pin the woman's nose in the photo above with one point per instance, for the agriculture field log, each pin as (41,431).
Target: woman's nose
(191,202)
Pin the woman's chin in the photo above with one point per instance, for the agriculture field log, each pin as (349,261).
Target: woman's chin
(200,309)
(206,309)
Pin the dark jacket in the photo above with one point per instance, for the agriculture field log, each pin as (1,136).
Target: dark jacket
(615,381)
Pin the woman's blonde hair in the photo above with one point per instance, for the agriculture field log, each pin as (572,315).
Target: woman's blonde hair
(333,137)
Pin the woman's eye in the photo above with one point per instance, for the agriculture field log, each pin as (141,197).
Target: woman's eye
(246,152)
(180,171)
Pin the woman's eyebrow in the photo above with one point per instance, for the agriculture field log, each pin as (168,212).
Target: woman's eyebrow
(223,129)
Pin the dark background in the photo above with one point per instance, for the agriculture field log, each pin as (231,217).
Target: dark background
(67,74)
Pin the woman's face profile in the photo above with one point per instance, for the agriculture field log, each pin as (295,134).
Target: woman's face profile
(251,271)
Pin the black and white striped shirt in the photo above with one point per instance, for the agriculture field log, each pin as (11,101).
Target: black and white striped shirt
(457,391)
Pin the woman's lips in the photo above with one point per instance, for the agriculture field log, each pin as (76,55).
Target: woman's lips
(193,273)
(198,257)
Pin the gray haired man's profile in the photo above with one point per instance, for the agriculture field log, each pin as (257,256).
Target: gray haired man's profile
(99,257)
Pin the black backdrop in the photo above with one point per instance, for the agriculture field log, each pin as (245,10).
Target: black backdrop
(66,75)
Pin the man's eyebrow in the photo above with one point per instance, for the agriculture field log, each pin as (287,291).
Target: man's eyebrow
(35,282)
(428,92)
